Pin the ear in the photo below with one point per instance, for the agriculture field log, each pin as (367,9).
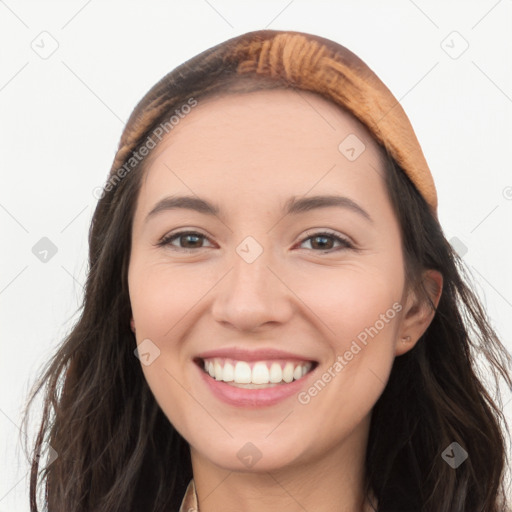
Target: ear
(132,324)
(418,312)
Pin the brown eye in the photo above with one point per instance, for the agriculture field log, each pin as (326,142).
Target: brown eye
(192,239)
(324,241)
(187,240)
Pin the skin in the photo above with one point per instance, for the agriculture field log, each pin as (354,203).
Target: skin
(249,154)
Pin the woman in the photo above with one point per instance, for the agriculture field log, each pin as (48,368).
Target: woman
(273,318)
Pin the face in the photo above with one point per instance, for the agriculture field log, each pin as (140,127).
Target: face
(263,290)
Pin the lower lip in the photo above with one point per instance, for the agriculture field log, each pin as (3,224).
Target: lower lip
(241,397)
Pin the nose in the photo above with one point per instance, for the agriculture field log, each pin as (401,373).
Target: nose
(252,295)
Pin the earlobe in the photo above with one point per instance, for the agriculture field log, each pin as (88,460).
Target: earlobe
(132,325)
(420,311)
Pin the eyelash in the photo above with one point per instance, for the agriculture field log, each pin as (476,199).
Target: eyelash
(166,241)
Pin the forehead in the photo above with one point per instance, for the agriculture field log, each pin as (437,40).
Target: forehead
(262,143)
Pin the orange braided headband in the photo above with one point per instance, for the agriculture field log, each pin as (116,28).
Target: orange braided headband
(316,64)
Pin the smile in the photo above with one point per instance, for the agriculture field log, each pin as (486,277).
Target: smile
(255,374)
(254,383)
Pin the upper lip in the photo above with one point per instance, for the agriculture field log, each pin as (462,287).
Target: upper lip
(241,354)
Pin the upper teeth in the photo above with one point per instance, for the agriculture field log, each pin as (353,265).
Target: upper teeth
(256,372)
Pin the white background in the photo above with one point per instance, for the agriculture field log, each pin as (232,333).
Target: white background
(62,116)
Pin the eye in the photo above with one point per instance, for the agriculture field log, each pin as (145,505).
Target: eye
(321,241)
(193,240)
(190,237)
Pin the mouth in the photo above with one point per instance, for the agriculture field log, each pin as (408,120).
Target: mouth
(255,374)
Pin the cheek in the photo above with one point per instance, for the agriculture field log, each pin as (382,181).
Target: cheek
(163,298)
(358,311)
(351,299)
(161,295)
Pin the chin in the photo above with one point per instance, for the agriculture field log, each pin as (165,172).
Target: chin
(251,456)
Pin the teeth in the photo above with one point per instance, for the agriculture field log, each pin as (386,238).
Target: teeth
(258,372)
(242,373)
(218,370)
(228,373)
(288,372)
(276,373)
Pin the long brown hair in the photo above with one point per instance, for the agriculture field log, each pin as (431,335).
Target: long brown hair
(116,450)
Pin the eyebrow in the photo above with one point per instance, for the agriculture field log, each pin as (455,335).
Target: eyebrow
(293,206)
